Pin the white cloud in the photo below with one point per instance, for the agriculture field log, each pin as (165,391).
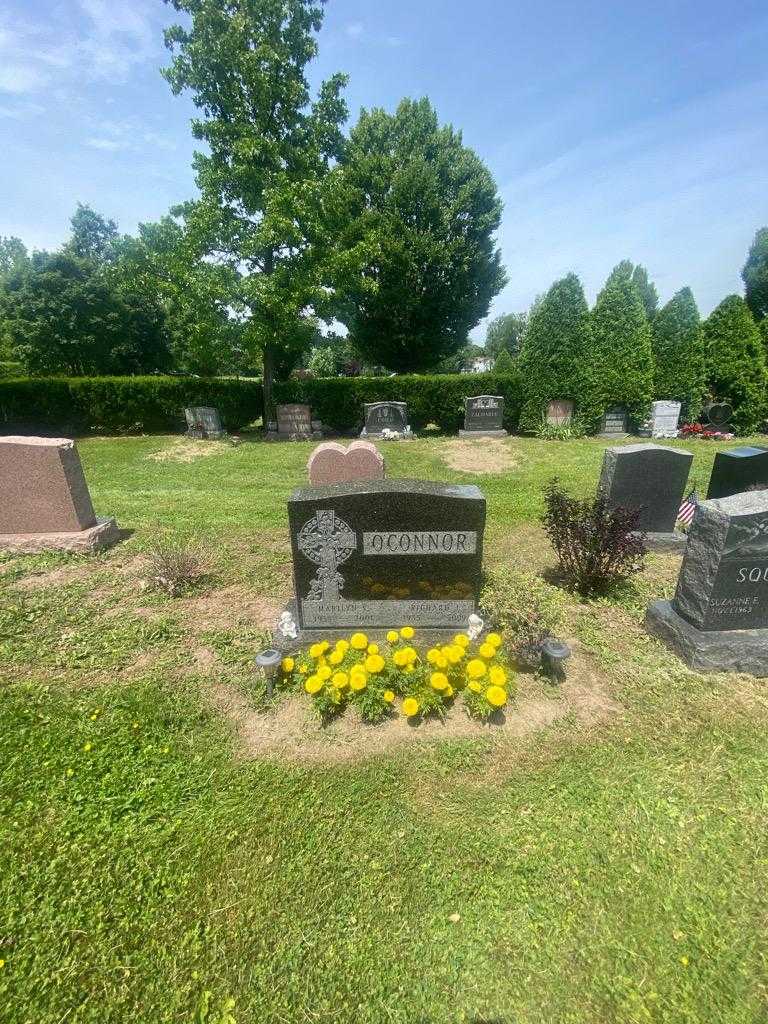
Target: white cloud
(354,29)
(21,111)
(108,145)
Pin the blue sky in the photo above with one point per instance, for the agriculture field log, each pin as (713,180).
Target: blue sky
(613,130)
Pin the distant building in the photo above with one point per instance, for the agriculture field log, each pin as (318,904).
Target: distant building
(481,364)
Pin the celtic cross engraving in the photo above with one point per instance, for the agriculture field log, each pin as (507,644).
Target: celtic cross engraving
(327,541)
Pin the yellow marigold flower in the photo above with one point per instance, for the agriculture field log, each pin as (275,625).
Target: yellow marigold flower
(475,687)
(487,651)
(496,696)
(441,661)
(303,669)
(400,657)
(454,654)
(461,640)
(324,645)
(358,641)
(342,645)
(340,680)
(448,692)
(336,657)
(393,636)
(358,681)
(475,668)
(407,632)
(432,654)
(374,663)
(373,648)
(316,651)
(410,707)
(324,672)
(438,680)
(287,664)
(493,638)
(313,684)
(389,696)
(412,653)
(497,675)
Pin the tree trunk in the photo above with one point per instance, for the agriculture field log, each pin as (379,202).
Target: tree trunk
(268,380)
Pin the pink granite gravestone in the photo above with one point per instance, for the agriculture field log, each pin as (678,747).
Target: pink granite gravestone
(44,499)
(332,463)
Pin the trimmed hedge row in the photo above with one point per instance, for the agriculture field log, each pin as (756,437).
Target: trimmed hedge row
(439,399)
(123,404)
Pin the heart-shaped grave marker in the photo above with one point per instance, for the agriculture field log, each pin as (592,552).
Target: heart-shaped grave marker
(719,413)
(332,463)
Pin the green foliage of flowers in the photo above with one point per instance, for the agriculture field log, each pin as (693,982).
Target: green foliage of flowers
(380,679)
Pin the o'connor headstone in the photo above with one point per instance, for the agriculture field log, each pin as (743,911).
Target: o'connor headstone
(737,470)
(44,500)
(718,618)
(383,417)
(651,478)
(484,417)
(383,553)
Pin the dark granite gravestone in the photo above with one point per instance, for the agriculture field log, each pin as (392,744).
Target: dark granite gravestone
(652,478)
(559,412)
(718,618)
(484,417)
(383,553)
(385,416)
(614,423)
(204,423)
(718,414)
(737,470)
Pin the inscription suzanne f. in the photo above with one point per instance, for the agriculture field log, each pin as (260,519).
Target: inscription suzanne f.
(426,542)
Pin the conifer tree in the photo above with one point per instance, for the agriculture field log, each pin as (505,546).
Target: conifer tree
(755,275)
(735,361)
(678,353)
(554,350)
(504,362)
(619,370)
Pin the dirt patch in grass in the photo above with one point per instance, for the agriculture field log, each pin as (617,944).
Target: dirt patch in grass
(58,577)
(291,730)
(230,606)
(188,450)
(485,455)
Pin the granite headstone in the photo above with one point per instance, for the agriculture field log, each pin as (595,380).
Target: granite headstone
(385,416)
(45,503)
(332,463)
(665,418)
(559,412)
(651,478)
(614,422)
(738,470)
(384,553)
(484,416)
(718,618)
(204,423)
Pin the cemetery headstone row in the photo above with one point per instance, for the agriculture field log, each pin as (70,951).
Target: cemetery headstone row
(484,417)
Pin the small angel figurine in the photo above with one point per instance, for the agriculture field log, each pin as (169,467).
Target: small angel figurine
(474,626)
(286,626)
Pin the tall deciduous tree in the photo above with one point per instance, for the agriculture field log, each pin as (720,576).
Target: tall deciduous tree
(14,262)
(93,236)
(755,275)
(264,177)
(735,360)
(678,351)
(619,368)
(554,350)
(506,332)
(424,210)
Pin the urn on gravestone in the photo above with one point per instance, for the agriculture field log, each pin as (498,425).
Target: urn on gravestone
(614,423)
(738,470)
(385,418)
(652,478)
(378,554)
(718,618)
(45,504)
(484,416)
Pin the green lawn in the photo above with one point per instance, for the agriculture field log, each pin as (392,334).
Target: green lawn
(606,862)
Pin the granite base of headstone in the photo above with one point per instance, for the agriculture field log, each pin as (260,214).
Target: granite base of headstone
(294,423)
(381,554)
(614,423)
(46,505)
(651,478)
(738,470)
(204,423)
(718,618)
(484,417)
(386,421)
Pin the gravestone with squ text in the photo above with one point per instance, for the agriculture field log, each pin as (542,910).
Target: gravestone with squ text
(614,422)
(652,479)
(379,554)
(382,418)
(484,416)
(718,618)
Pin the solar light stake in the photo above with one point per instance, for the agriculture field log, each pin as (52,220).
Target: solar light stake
(268,662)
(554,654)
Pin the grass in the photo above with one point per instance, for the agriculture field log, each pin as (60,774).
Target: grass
(613,871)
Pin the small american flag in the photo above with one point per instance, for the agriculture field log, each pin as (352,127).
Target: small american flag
(688,508)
